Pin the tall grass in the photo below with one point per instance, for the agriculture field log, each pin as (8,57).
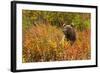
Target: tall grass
(43,43)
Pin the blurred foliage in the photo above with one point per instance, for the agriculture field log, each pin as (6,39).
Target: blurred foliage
(33,17)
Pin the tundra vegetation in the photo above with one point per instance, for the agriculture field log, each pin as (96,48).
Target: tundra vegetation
(42,33)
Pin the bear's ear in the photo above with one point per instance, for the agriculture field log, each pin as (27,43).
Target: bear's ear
(64,24)
(72,24)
